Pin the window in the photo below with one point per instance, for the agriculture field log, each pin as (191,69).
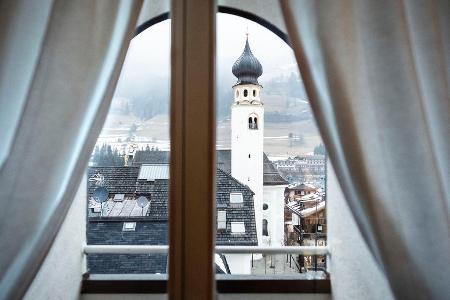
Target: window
(129,226)
(252,122)
(265,232)
(236,198)
(237,227)
(221,219)
(273,141)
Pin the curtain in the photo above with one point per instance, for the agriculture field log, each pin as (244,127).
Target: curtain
(59,63)
(377,75)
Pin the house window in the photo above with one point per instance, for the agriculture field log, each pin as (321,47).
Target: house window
(129,226)
(245,93)
(265,232)
(237,227)
(221,219)
(254,93)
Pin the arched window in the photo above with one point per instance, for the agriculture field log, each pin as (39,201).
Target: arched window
(252,122)
(265,232)
(254,93)
(265,206)
(245,93)
(237,93)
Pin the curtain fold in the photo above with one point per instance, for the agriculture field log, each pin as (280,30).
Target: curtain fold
(60,61)
(377,75)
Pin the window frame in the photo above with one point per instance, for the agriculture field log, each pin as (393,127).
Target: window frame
(187,18)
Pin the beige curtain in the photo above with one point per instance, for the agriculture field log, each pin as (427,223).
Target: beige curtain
(59,63)
(377,75)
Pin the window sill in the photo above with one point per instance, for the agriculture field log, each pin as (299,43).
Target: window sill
(243,284)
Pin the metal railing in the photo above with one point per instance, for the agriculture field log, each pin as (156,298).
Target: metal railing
(153,249)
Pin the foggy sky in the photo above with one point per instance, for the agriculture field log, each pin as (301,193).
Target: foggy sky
(149,53)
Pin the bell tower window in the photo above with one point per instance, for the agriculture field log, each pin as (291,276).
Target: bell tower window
(252,123)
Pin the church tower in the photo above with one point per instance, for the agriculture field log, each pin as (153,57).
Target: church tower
(247,129)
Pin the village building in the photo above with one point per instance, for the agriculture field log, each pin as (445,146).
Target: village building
(120,220)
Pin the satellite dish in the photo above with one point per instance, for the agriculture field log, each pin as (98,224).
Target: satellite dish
(100,194)
(142,201)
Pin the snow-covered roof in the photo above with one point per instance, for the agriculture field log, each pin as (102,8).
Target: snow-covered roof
(295,207)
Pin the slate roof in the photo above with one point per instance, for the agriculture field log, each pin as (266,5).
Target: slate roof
(271,175)
(152,228)
(223,157)
(226,184)
(101,231)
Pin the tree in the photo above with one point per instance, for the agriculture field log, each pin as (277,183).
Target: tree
(319,150)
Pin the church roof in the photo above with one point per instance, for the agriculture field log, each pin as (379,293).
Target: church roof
(247,68)
(271,175)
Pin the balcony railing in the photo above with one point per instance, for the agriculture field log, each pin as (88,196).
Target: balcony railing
(153,249)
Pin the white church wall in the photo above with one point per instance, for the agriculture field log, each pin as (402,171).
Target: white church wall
(239,263)
(274,214)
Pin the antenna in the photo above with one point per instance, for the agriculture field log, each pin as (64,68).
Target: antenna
(100,195)
(142,202)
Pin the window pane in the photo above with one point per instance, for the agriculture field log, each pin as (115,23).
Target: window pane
(129,168)
(269,148)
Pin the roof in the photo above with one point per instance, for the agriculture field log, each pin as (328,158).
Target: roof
(107,232)
(303,186)
(151,157)
(271,175)
(227,184)
(223,158)
(295,207)
(151,229)
(247,68)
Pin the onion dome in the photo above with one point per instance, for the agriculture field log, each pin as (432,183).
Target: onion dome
(247,68)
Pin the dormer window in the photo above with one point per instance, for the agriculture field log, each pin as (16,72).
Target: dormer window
(221,219)
(236,198)
(237,227)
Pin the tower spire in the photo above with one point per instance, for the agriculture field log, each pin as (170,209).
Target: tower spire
(247,68)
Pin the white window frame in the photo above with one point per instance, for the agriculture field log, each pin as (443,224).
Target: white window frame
(129,226)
